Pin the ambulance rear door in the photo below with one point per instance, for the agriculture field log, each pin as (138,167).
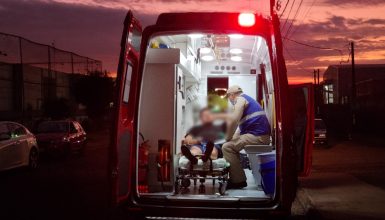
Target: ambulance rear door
(302,106)
(122,154)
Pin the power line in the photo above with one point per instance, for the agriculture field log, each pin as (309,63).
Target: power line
(317,47)
(295,16)
(288,15)
(304,17)
(284,9)
(299,65)
(350,53)
(313,46)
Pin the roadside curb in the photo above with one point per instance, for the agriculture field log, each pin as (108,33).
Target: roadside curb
(304,206)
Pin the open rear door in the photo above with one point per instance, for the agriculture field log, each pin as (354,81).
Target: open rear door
(302,102)
(123,137)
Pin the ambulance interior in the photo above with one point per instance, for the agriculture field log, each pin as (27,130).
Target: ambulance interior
(182,74)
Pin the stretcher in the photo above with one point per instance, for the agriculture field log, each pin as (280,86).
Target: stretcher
(216,170)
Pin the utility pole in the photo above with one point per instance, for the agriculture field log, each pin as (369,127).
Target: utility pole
(353,75)
(318,76)
(314,76)
(353,100)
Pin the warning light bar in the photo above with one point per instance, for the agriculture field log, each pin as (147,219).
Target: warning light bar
(246,19)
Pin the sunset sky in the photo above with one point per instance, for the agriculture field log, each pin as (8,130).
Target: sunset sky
(93,27)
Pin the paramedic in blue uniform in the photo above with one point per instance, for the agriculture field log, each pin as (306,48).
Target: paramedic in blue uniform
(253,128)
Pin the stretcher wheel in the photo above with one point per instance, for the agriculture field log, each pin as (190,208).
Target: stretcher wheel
(202,189)
(222,188)
(186,183)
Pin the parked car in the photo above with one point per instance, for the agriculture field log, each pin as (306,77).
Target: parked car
(61,137)
(320,132)
(18,147)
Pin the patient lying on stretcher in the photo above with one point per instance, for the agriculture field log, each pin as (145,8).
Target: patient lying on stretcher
(200,140)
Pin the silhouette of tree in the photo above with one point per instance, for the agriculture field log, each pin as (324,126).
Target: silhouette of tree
(95,91)
(57,108)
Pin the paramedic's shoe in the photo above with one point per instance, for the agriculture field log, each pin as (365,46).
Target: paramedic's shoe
(187,153)
(240,185)
(209,150)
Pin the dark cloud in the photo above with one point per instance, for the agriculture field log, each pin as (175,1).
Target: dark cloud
(375,21)
(338,21)
(91,31)
(336,32)
(96,31)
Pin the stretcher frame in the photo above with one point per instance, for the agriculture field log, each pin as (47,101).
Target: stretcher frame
(185,175)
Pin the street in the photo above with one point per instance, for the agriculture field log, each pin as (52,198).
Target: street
(347,181)
(362,158)
(62,188)
(76,187)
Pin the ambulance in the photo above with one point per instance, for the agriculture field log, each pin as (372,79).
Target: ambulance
(183,63)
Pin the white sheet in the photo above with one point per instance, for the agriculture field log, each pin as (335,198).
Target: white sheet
(217,164)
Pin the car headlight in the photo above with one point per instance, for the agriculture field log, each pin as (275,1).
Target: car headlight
(66,139)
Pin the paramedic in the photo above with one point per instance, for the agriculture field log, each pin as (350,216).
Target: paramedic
(253,126)
(200,139)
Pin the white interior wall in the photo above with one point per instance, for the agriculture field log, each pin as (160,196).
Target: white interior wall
(243,79)
(241,68)
(181,113)
(263,53)
(157,104)
(202,91)
(248,84)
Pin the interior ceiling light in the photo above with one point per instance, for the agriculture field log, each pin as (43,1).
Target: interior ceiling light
(195,35)
(236,36)
(205,50)
(235,51)
(246,19)
(236,58)
(207,58)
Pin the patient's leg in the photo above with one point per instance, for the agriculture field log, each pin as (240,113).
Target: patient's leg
(195,150)
(214,154)
(190,153)
(209,149)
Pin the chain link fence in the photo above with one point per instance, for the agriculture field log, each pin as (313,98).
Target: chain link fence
(32,74)
(18,50)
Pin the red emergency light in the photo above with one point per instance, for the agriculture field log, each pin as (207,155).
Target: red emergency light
(246,19)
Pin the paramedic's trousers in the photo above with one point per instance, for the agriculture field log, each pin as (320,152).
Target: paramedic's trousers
(231,150)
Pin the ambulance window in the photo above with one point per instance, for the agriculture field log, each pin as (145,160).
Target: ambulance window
(134,39)
(127,82)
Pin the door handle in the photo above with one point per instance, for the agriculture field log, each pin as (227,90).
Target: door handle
(114,173)
(125,121)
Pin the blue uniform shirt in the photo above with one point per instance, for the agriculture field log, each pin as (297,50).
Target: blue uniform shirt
(254,120)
